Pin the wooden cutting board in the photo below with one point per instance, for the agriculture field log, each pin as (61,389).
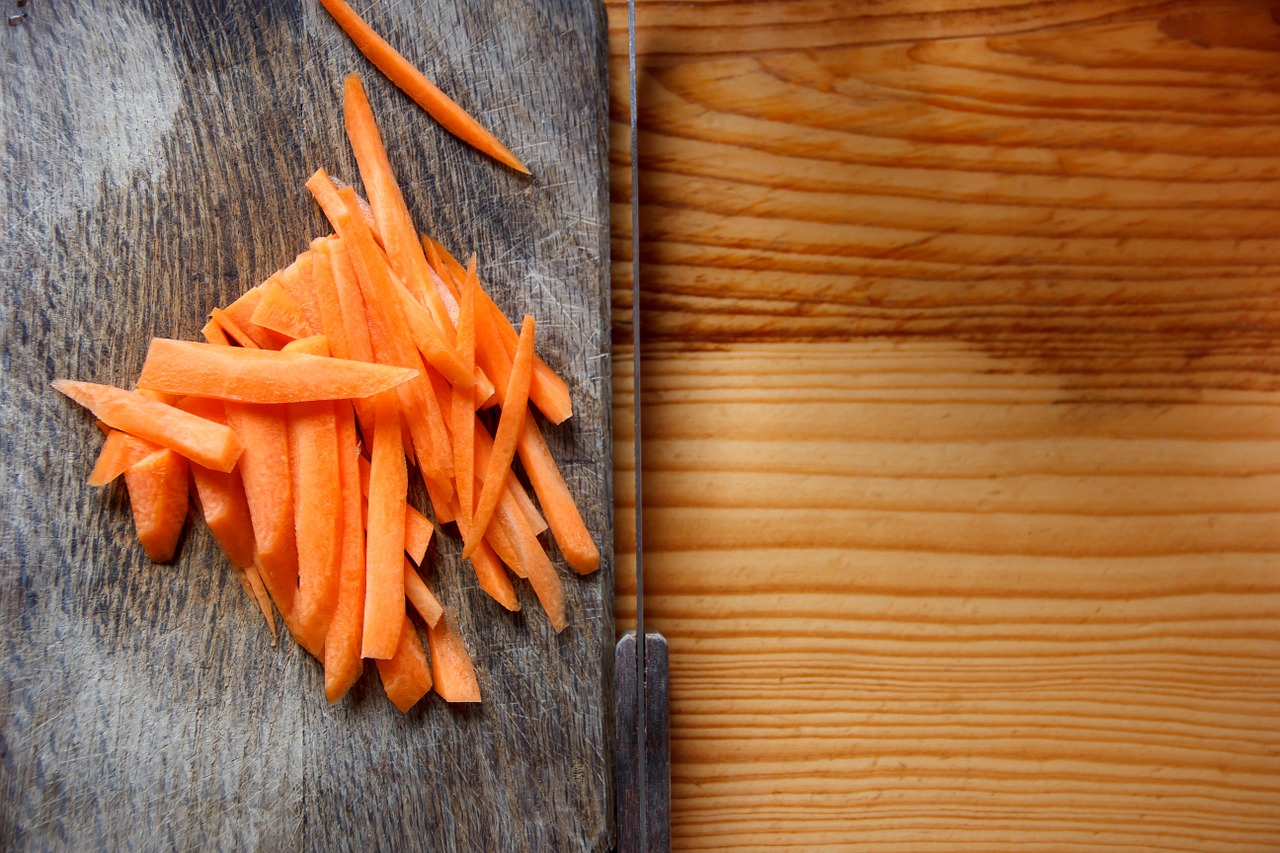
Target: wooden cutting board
(154,156)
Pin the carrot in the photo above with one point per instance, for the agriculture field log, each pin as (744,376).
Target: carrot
(419,596)
(417,527)
(317,502)
(210,444)
(384,583)
(119,453)
(441,503)
(231,330)
(428,339)
(342,664)
(453,675)
(280,312)
(463,403)
(328,303)
(221,494)
(240,313)
(533,562)
(493,577)
(268,487)
(214,334)
(570,533)
(415,84)
(406,675)
(297,280)
(252,583)
(158,496)
(504,443)
(261,376)
(355,328)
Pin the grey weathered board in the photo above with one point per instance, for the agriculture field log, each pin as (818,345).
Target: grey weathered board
(153,159)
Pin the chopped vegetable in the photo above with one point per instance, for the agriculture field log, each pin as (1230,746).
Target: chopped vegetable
(454,676)
(384,548)
(158,495)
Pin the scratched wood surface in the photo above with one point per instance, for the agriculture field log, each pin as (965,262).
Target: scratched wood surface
(154,155)
(962,420)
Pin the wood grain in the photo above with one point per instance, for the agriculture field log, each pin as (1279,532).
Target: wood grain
(962,426)
(155,156)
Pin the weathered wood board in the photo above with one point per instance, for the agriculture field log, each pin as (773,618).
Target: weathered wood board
(154,155)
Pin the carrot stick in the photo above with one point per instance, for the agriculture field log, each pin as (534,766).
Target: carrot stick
(570,533)
(119,453)
(221,494)
(214,334)
(328,303)
(297,280)
(280,312)
(317,501)
(261,376)
(419,596)
(454,676)
(463,403)
(231,329)
(493,577)
(406,675)
(252,580)
(428,339)
(158,497)
(418,529)
(384,549)
(441,503)
(533,562)
(240,313)
(264,468)
(210,444)
(415,84)
(404,252)
(354,322)
(504,443)
(342,664)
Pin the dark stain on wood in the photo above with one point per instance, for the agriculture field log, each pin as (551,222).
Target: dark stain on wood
(155,155)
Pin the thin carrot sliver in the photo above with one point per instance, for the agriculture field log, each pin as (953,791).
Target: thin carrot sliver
(453,674)
(493,577)
(514,409)
(405,674)
(231,331)
(214,333)
(342,663)
(221,494)
(463,412)
(417,534)
(120,452)
(258,594)
(534,561)
(297,279)
(158,497)
(280,312)
(212,445)
(240,313)
(416,85)
(384,548)
(422,599)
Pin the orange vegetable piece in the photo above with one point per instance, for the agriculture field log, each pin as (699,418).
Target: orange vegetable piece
(384,542)
(158,496)
(422,599)
(251,580)
(415,84)
(210,444)
(493,577)
(119,453)
(453,674)
(280,312)
(406,675)
(342,662)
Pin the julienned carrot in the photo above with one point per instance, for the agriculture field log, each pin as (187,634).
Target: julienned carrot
(384,541)
(387,202)
(252,582)
(317,502)
(210,444)
(406,675)
(226,512)
(453,675)
(214,333)
(158,497)
(280,312)
(533,560)
(231,331)
(493,577)
(261,376)
(342,663)
(240,312)
(462,406)
(417,534)
(510,424)
(354,323)
(428,339)
(328,303)
(571,534)
(419,596)
(119,453)
(268,486)
(297,280)
(415,84)
(441,503)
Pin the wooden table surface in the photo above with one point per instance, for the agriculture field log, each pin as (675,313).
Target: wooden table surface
(962,406)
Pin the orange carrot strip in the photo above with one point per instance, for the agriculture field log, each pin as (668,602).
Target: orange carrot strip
(570,533)
(493,577)
(406,675)
(297,279)
(342,664)
(221,494)
(268,487)
(252,583)
(232,330)
(463,403)
(280,312)
(384,548)
(317,499)
(504,443)
(527,506)
(119,453)
(261,376)
(441,504)
(417,534)
(453,674)
(328,303)
(534,561)
(355,327)
(214,334)
(240,313)
(428,339)
(158,496)
(422,599)
(210,444)
(415,84)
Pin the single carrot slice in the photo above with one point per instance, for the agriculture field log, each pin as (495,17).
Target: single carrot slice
(415,84)
(240,313)
(441,503)
(231,330)
(297,279)
(355,327)
(158,496)
(342,664)
(268,487)
(422,599)
(493,577)
(534,562)
(510,424)
(226,512)
(429,340)
(252,583)
(280,312)
(328,303)
(214,334)
(567,526)
(210,444)
(406,675)
(261,376)
(417,527)
(463,413)
(119,453)
(453,674)
(384,548)
(317,501)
